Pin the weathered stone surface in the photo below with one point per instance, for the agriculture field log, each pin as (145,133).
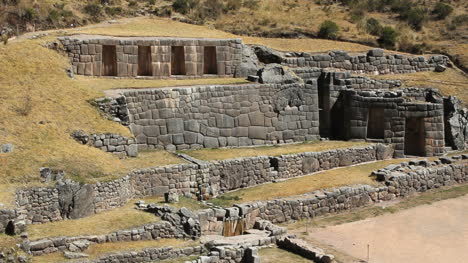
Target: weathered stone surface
(276,74)
(7,148)
(456,123)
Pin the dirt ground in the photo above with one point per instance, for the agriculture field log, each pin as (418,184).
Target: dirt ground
(425,234)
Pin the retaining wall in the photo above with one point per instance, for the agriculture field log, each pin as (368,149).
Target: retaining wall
(220,116)
(399,181)
(374,62)
(73,200)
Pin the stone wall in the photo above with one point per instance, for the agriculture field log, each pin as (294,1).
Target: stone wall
(220,116)
(115,144)
(301,247)
(150,231)
(7,217)
(374,62)
(108,142)
(38,205)
(346,79)
(86,55)
(398,107)
(397,181)
(73,200)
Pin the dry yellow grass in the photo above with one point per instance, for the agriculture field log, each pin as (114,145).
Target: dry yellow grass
(274,150)
(170,28)
(97,250)
(98,224)
(450,82)
(277,255)
(103,84)
(359,174)
(40,107)
(7,241)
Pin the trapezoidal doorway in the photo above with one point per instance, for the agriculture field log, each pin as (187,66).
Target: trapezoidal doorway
(415,137)
(210,64)
(177,60)
(144,61)
(109,61)
(376,123)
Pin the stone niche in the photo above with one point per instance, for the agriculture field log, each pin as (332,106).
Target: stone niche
(159,57)
(400,117)
(221,116)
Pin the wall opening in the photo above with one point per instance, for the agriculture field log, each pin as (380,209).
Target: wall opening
(210,63)
(109,61)
(144,61)
(178,60)
(324,108)
(10,228)
(376,123)
(415,138)
(274,163)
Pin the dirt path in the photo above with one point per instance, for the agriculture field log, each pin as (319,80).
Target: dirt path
(426,234)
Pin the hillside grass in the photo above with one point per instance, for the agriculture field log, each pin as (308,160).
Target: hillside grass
(358,174)
(40,107)
(450,82)
(170,28)
(98,224)
(97,250)
(272,150)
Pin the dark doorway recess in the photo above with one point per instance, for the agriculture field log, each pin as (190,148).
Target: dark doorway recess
(415,138)
(324,109)
(376,123)
(177,60)
(210,64)
(144,61)
(109,61)
(10,229)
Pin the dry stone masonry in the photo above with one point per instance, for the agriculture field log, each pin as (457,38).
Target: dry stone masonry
(73,200)
(220,116)
(152,56)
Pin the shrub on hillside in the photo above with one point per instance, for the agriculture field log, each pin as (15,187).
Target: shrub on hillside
(250,4)
(373,26)
(415,17)
(458,21)
(388,37)
(328,29)
(184,6)
(442,10)
(94,10)
(113,11)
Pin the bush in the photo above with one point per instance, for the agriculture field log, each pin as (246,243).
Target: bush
(132,4)
(373,26)
(184,6)
(54,16)
(93,10)
(458,21)
(328,30)
(442,10)
(388,37)
(250,4)
(415,17)
(113,11)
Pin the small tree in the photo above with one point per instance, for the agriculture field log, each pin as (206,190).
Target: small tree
(329,30)
(442,10)
(388,37)
(184,6)
(373,26)
(415,17)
